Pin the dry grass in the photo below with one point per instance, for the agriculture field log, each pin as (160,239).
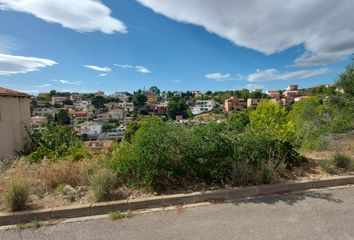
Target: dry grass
(44,177)
(64,172)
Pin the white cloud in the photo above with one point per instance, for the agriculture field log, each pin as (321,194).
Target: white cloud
(142,69)
(218,76)
(11,64)
(123,66)
(82,15)
(44,85)
(103,74)
(324,27)
(68,82)
(100,69)
(8,43)
(273,74)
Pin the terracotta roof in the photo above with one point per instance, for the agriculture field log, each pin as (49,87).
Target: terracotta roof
(13,93)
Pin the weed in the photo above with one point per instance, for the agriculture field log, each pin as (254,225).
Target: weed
(17,195)
(342,161)
(116,215)
(327,166)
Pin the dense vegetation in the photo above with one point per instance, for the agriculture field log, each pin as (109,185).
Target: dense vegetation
(252,147)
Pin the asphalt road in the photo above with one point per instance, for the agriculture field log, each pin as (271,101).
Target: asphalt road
(321,214)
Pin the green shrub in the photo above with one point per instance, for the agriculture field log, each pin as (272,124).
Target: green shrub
(17,195)
(342,161)
(163,153)
(54,141)
(327,166)
(102,182)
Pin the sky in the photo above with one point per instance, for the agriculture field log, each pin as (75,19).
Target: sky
(125,45)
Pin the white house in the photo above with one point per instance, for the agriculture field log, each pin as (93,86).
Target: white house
(91,129)
(113,134)
(122,96)
(126,106)
(202,106)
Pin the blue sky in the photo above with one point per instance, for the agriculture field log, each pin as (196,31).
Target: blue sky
(154,42)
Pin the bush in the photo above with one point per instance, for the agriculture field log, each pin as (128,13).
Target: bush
(17,195)
(342,161)
(163,154)
(102,182)
(327,166)
(54,141)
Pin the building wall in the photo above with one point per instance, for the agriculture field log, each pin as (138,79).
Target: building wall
(14,114)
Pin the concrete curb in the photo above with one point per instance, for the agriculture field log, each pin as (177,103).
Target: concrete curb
(169,200)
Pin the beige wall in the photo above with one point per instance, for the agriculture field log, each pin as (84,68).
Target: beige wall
(14,113)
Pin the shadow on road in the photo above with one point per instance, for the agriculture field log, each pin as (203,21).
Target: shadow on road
(290,198)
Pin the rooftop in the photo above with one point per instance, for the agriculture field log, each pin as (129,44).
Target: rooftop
(12,93)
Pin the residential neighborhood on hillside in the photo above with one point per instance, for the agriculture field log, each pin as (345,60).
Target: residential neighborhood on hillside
(176,119)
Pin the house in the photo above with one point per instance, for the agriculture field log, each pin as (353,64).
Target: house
(105,117)
(38,121)
(75,97)
(196,93)
(160,109)
(91,129)
(116,114)
(234,104)
(273,93)
(79,117)
(14,115)
(127,106)
(58,100)
(291,93)
(292,88)
(253,102)
(202,106)
(122,96)
(113,134)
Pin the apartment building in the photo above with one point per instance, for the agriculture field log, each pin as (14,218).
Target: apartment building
(202,106)
(234,104)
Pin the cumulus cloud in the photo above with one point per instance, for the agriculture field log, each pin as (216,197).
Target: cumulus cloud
(218,76)
(103,74)
(123,65)
(12,64)
(142,69)
(100,69)
(273,74)
(82,16)
(324,27)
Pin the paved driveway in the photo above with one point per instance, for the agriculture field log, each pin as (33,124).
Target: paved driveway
(321,214)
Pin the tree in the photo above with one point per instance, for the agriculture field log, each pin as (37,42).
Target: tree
(155,90)
(177,106)
(139,99)
(271,118)
(62,117)
(98,102)
(346,80)
(68,102)
(108,126)
(131,129)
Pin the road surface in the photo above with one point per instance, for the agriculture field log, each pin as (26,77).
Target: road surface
(321,214)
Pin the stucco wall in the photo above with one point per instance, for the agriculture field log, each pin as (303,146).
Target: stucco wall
(14,113)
